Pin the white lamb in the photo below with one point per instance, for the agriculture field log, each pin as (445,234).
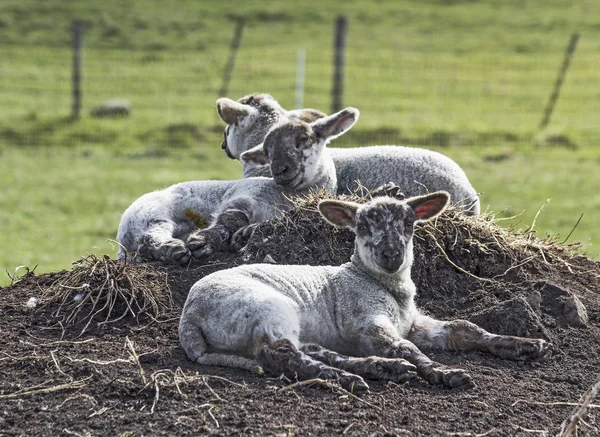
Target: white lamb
(158,225)
(417,171)
(352,321)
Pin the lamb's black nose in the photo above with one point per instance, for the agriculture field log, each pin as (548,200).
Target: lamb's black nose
(280,170)
(390,253)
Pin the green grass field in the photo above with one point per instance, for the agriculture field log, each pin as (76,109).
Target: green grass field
(469,79)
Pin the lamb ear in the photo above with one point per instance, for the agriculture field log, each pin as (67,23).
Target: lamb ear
(306,115)
(255,156)
(339,213)
(336,124)
(231,111)
(428,206)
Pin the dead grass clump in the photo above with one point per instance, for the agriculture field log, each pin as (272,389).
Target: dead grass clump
(105,290)
(473,245)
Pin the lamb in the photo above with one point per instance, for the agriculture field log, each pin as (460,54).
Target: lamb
(342,323)
(416,170)
(158,226)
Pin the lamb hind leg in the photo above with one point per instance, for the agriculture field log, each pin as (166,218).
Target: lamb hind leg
(463,335)
(282,357)
(376,368)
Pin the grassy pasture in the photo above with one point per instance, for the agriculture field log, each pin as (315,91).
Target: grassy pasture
(469,79)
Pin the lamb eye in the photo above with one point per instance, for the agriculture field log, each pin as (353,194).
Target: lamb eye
(300,141)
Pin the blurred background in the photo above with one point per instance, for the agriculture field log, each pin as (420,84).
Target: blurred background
(508,88)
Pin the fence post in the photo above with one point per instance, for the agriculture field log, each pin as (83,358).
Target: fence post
(341,29)
(77,37)
(559,80)
(235,45)
(300,69)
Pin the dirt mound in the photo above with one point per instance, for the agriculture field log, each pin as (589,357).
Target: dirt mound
(96,350)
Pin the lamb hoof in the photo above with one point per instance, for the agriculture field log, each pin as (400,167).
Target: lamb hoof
(180,255)
(533,349)
(200,245)
(174,252)
(395,370)
(353,383)
(241,237)
(522,349)
(453,378)
(460,379)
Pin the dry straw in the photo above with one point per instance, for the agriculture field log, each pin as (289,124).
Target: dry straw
(453,231)
(104,291)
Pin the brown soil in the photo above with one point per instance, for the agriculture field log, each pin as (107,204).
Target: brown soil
(130,376)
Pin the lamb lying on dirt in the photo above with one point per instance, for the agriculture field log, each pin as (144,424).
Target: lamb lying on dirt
(299,320)
(158,225)
(417,171)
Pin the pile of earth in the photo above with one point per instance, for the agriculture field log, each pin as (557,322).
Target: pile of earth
(94,350)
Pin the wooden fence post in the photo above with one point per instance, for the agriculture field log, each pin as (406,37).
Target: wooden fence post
(77,37)
(337,94)
(559,80)
(235,45)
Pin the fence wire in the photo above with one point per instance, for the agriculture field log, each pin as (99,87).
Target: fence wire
(416,97)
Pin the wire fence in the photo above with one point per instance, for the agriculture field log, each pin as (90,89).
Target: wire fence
(410,96)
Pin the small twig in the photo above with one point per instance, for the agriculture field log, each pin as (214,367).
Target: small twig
(15,276)
(100,363)
(53,343)
(220,378)
(573,230)
(329,385)
(57,364)
(76,434)
(136,360)
(569,425)
(552,404)
(211,390)
(212,416)
(471,434)
(533,431)
(156,395)
(455,265)
(531,228)
(515,267)
(348,428)
(34,391)
(78,396)
(98,412)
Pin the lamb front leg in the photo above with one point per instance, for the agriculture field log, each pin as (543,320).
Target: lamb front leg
(464,335)
(383,340)
(282,357)
(235,216)
(377,368)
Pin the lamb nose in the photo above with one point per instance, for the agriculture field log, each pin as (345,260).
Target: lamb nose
(281,170)
(391,253)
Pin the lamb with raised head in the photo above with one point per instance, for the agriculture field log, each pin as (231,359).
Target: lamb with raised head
(160,225)
(417,171)
(342,323)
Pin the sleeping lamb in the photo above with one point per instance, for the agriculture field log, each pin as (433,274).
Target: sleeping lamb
(158,225)
(417,171)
